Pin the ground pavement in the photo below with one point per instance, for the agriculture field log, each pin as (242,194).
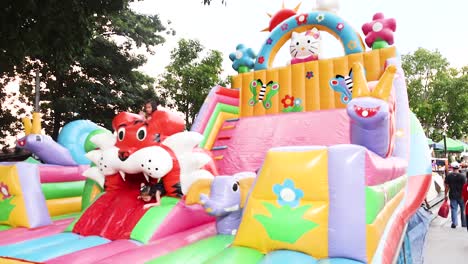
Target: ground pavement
(445,245)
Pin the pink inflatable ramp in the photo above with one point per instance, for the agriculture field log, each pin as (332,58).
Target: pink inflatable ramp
(161,247)
(21,234)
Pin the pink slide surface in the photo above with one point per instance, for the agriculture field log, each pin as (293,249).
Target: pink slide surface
(21,234)
(322,128)
(160,247)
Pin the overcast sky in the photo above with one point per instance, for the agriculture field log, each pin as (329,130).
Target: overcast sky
(430,24)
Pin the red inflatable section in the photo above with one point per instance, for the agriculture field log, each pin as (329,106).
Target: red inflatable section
(228,92)
(134,132)
(116,212)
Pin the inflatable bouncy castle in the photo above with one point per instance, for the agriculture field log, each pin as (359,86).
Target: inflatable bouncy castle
(342,162)
(318,161)
(50,187)
(114,221)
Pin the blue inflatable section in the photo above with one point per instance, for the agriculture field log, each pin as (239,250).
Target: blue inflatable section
(287,256)
(53,251)
(73,136)
(420,155)
(25,247)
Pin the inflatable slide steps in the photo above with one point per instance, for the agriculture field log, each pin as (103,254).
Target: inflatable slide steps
(217,95)
(224,135)
(220,105)
(220,115)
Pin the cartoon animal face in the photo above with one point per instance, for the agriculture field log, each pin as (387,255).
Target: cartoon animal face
(32,141)
(153,162)
(305,45)
(222,195)
(372,111)
(175,154)
(133,132)
(368,112)
(372,102)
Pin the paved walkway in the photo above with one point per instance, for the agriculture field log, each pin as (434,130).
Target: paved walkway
(445,245)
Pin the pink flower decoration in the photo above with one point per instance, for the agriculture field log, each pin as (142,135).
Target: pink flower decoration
(339,26)
(261,60)
(269,41)
(284,27)
(380,28)
(4,192)
(302,19)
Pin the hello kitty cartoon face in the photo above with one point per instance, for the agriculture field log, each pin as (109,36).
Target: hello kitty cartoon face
(305,45)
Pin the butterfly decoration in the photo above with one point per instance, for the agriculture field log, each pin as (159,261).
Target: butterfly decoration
(263,95)
(344,86)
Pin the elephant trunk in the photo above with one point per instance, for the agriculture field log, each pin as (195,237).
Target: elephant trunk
(217,206)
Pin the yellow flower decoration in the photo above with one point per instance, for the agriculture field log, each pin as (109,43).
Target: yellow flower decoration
(352,44)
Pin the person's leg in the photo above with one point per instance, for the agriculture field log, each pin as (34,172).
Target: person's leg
(466,219)
(454,211)
(462,212)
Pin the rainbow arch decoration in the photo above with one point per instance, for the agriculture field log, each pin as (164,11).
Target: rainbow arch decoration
(325,21)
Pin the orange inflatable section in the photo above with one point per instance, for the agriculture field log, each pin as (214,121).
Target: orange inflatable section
(308,82)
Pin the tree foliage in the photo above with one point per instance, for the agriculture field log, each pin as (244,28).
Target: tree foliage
(189,77)
(438,94)
(84,52)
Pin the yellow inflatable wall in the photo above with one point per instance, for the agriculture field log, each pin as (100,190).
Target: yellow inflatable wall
(309,81)
(297,204)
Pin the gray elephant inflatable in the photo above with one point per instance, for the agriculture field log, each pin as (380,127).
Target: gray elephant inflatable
(223,197)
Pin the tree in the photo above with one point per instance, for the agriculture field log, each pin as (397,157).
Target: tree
(189,78)
(438,95)
(83,50)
